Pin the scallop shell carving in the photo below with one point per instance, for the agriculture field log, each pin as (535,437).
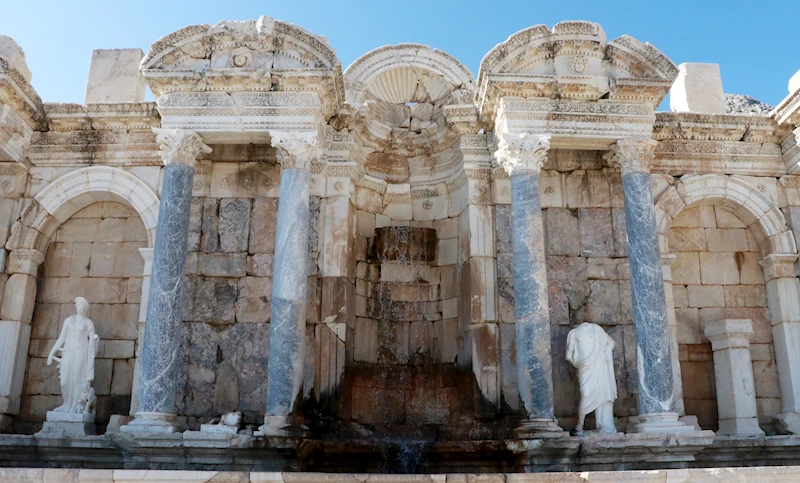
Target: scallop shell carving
(405,84)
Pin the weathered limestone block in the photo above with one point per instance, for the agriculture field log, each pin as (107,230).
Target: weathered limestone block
(114,76)
(263,221)
(209,239)
(234,224)
(222,264)
(214,300)
(698,88)
(597,235)
(253,302)
(562,233)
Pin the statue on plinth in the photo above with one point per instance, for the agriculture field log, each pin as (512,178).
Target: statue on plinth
(589,349)
(78,346)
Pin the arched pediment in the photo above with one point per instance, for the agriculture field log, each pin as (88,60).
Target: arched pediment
(262,44)
(241,58)
(573,61)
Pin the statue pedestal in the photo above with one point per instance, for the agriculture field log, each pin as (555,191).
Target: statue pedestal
(219,429)
(69,423)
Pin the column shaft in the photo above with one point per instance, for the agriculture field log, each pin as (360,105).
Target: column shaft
(534,371)
(160,357)
(653,351)
(289,282)
(164,309)
(522,156)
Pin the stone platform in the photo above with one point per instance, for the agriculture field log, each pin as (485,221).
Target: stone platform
(194,450)
(762,474)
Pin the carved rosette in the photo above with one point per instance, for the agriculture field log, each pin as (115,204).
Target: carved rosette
(632,155)
(180,146)
(522,153)
(296,149)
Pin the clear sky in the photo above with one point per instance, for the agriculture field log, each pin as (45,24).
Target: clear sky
(755,43)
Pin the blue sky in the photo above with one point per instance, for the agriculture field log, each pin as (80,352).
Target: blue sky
(755,43)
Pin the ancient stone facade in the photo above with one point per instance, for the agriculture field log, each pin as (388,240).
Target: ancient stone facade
(386,260)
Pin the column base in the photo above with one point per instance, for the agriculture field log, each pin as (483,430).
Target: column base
(68,423)
(280,425)
(5,421)
(788,423)
(739,427)
(145,422)
(539,428)
(660,423)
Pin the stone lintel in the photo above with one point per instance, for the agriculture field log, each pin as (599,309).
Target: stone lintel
(576,125)
(240,117)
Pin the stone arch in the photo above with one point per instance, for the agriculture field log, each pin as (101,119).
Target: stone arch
(78,189)
(734,193)
(391,70)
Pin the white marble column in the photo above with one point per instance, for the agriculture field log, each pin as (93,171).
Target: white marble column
(654,361)
(15,328)
(783,297)
(159,360)
(296,151)
(522,156)
(733,372)
(147,255)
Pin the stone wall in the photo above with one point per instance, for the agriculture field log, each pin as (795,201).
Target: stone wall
(94,254)
(716,276)
(229,286)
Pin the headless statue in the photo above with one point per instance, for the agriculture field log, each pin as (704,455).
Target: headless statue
(589,349)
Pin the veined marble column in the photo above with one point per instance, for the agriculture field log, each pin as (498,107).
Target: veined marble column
(653,347)
(522,156)
(296,151)
(159,366)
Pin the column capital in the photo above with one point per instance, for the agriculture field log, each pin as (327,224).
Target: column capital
(523,153)
(778,265)
(296,149)
(24,260)
(633,155)
(729,333)
(180,146)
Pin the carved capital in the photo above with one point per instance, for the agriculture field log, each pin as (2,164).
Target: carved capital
(632,155)
(778,265)
(180,146)
(522,153)
(296,149)
(25,260)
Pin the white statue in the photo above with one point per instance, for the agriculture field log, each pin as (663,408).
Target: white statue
(78,345)
(589,349)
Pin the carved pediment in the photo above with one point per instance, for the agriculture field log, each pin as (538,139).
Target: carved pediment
(245,56)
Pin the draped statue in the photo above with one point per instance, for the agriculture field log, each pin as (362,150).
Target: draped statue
(589,349)
(78,346)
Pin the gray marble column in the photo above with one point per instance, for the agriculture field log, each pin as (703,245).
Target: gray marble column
(156,412)
(522,156)
(296,151)
(653,348)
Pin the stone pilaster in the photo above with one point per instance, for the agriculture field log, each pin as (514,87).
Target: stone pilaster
(657,411)
(296,151)
(159,359)
(783,297)
(666,267)
(522,156)
(733,372)
(15,328)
